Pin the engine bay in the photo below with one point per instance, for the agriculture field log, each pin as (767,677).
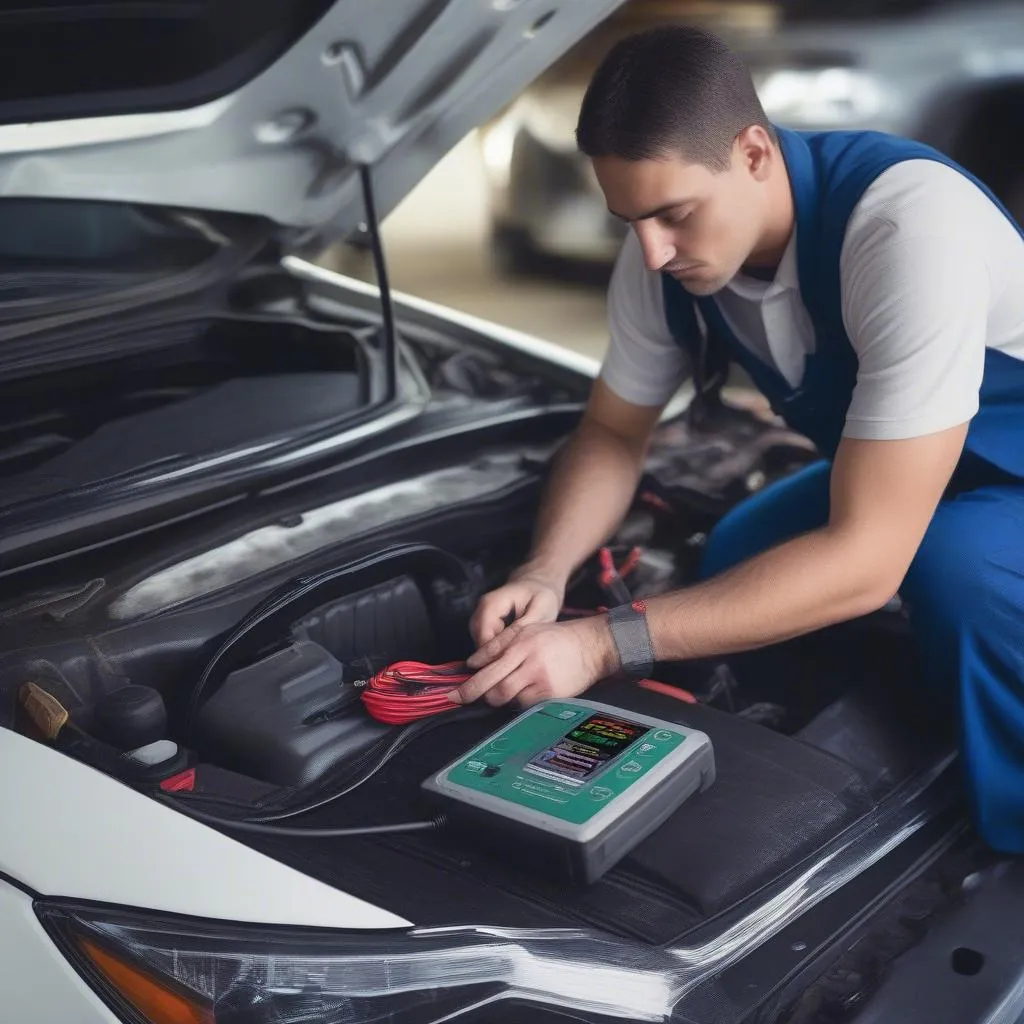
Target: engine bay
(255,713)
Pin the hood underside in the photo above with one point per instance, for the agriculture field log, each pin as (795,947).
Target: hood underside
(262,108)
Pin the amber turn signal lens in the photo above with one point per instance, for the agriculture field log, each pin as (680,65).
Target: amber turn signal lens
(155,1001)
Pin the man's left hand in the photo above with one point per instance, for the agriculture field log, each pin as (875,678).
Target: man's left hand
(531,663)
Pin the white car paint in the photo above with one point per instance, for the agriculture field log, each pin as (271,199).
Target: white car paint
(37,983)
(268,547)
(529,344)
(520,340)
(71,831)
(390,85)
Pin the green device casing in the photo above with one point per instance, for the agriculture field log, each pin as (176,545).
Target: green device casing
(570,786)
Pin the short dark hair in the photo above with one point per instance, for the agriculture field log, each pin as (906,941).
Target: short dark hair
(676,89)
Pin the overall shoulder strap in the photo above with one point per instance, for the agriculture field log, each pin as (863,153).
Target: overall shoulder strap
(829,172)
(709,354)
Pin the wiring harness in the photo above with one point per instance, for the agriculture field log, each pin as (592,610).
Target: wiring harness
(406,691)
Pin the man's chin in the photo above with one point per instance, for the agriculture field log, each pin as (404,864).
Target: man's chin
(700,284)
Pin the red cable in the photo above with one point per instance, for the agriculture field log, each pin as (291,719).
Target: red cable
(655,501)
(406,691)
(409,690)
(631,562)
(668,690)
(608,568)
(610,576)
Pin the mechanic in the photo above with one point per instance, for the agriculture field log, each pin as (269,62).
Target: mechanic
(874,293)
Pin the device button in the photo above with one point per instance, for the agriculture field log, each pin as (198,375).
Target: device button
(629,769)
(663,735)
(645,748)
(501,743)
(600,793)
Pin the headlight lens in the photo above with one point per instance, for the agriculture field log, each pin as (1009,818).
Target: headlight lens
(156,969)
(825,97)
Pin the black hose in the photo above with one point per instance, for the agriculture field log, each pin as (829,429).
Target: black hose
(304,833)
(398,743)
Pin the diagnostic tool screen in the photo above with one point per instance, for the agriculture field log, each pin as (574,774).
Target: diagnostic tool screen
(580,754)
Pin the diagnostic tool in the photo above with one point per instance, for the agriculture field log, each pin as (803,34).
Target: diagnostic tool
(572,785)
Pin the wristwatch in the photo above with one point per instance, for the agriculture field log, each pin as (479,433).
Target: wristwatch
(632,638)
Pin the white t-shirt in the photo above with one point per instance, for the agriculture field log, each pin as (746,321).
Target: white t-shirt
(932,274)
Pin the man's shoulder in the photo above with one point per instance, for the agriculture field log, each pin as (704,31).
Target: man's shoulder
(924,203)
(922,196)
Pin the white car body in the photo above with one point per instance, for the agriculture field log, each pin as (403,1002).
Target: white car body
(372,91)
(68,830)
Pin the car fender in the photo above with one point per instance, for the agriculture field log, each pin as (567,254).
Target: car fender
(37,981)
(71,831)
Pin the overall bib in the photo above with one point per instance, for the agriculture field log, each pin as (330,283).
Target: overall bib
(965,588)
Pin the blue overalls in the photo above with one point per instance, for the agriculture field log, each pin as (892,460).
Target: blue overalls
(965,587)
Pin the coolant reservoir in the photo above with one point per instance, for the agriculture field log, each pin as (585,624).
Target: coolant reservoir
(286,719)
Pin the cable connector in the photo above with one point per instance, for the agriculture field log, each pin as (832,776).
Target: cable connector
(611,575)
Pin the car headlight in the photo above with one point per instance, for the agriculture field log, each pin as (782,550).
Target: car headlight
(824,97)
(159,969)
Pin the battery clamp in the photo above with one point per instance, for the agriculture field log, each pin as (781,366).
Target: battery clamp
(572,786)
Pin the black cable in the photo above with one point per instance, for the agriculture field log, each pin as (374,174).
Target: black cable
(415,559)
(380,269)
(305,833)
(405,736)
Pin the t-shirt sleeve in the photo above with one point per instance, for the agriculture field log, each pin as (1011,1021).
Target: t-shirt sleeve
(643,365)
(915,304)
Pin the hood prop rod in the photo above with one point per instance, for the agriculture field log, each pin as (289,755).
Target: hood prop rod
(381,271)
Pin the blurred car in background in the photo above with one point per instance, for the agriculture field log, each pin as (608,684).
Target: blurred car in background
(946,72)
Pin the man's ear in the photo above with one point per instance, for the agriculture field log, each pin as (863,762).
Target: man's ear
(755,150)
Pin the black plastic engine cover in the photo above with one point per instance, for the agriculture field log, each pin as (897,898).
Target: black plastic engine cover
(286,719)
(387,622)
(775,802)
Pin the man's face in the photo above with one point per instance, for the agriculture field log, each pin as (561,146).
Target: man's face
(696,224)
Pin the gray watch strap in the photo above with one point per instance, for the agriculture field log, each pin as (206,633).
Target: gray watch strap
(632,638)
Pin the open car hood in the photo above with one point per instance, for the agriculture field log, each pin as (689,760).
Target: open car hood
(261,107)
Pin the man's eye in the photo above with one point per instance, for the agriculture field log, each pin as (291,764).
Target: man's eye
(675,217)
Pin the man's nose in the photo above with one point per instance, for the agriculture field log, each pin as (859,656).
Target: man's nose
(656,245)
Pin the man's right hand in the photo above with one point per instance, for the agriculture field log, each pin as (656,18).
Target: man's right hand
(585,500)
(533,597)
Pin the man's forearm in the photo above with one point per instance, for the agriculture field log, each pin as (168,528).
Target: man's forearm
(591,487)
(813,581)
